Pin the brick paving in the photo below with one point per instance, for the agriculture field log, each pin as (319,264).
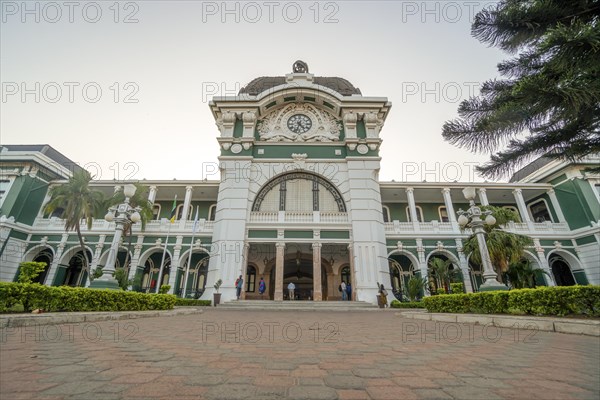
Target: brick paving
(296,355)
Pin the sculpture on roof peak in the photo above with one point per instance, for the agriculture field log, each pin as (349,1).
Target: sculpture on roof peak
(300,67)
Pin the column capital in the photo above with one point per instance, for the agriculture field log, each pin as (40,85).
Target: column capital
(280,245)
(446,190)
(152,187)
(317,245)
(189,188)
(517,191)
(550,191)
(409,190)
(482,190)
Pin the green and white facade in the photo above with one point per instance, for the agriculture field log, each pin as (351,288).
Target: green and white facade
(300,201)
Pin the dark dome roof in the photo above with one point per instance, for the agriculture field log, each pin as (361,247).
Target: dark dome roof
(340,85)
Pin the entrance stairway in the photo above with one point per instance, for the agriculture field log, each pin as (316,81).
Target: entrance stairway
(270,305)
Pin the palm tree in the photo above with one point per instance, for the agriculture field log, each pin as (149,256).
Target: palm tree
(414,286)
(440,269)
(505,248)
(78,201)
(522,274)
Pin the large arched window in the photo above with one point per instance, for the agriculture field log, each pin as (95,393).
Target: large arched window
(299,191)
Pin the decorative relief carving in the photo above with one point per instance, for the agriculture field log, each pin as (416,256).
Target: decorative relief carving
(274,127)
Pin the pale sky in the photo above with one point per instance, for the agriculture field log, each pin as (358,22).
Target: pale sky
(172,57)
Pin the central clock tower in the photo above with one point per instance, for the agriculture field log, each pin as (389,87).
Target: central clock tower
(321,127)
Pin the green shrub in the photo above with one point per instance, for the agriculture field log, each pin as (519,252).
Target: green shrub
(28,271)
(407,304)
(192,302)
(562,300)
(66,298)
(164,289)
(457,288)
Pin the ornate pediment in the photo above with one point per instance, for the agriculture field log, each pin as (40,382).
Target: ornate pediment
(299,122)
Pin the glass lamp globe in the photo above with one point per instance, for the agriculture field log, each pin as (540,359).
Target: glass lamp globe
(129,190)
(135,217)
(463,220)
(490,220)
(109,217)
(469,193)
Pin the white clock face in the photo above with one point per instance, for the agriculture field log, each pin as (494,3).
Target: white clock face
(299,123)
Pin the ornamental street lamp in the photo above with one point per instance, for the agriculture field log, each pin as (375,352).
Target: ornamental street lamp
(123,214)
(472,218)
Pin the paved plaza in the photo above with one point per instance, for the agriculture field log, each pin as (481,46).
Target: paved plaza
(227,354)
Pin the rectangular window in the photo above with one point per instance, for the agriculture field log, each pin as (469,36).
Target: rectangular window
(539,211)
(444,215)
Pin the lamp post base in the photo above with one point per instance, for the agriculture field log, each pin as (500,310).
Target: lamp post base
(100,283)
(492,285)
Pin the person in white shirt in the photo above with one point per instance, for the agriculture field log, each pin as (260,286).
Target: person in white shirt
(344,292)
(291,288)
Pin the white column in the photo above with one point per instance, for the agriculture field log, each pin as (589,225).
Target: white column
(352,275)
(244,270)
(152,194)
(279,259)
(135,259)
(450,209)
(412,208)
(186,204)
(549,278)
(556,205)
(59,251)
(522,208)
(317,289)
(97,254)
(483,197)
(464,266)
(174,264)
(422,262)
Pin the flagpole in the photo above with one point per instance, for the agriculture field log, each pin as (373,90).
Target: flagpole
(162,262)
(187,270)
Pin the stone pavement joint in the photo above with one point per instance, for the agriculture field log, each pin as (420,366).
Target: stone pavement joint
(228,354)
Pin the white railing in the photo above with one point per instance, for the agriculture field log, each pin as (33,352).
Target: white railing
(99,225)
(398,227)
(299,217)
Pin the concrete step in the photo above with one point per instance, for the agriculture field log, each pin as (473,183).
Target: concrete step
(297,305)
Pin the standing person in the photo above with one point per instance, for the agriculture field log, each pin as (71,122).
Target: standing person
(344,292)
(239,283)
(349,291)
(291,288)
(261,286)
(383,294)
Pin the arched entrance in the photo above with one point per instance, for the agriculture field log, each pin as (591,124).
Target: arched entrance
(443,269)
(44,255)
(298,269)
(74,271)
(563,276)
(151,271)
(402,268)
(196,280)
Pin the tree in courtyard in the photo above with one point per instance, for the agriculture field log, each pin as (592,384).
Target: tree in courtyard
(78,202)
(548,100)
(505,248)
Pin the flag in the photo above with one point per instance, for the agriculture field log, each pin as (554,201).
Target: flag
(174,210)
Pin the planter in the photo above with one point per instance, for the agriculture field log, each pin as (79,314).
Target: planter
(216,299)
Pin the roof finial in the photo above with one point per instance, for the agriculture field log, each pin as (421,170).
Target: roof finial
(300,67)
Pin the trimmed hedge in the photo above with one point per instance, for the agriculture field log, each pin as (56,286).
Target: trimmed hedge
(66,298)
(407,304)
(557,300)
(192,302)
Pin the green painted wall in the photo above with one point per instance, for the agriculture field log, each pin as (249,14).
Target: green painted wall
(573,202)
(286,151)
(24,199)
(298,234)
(335,234)
(266,234)
(586,240)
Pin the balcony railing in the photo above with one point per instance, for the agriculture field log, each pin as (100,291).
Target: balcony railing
(397,227)
(299,217)
(101,226)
